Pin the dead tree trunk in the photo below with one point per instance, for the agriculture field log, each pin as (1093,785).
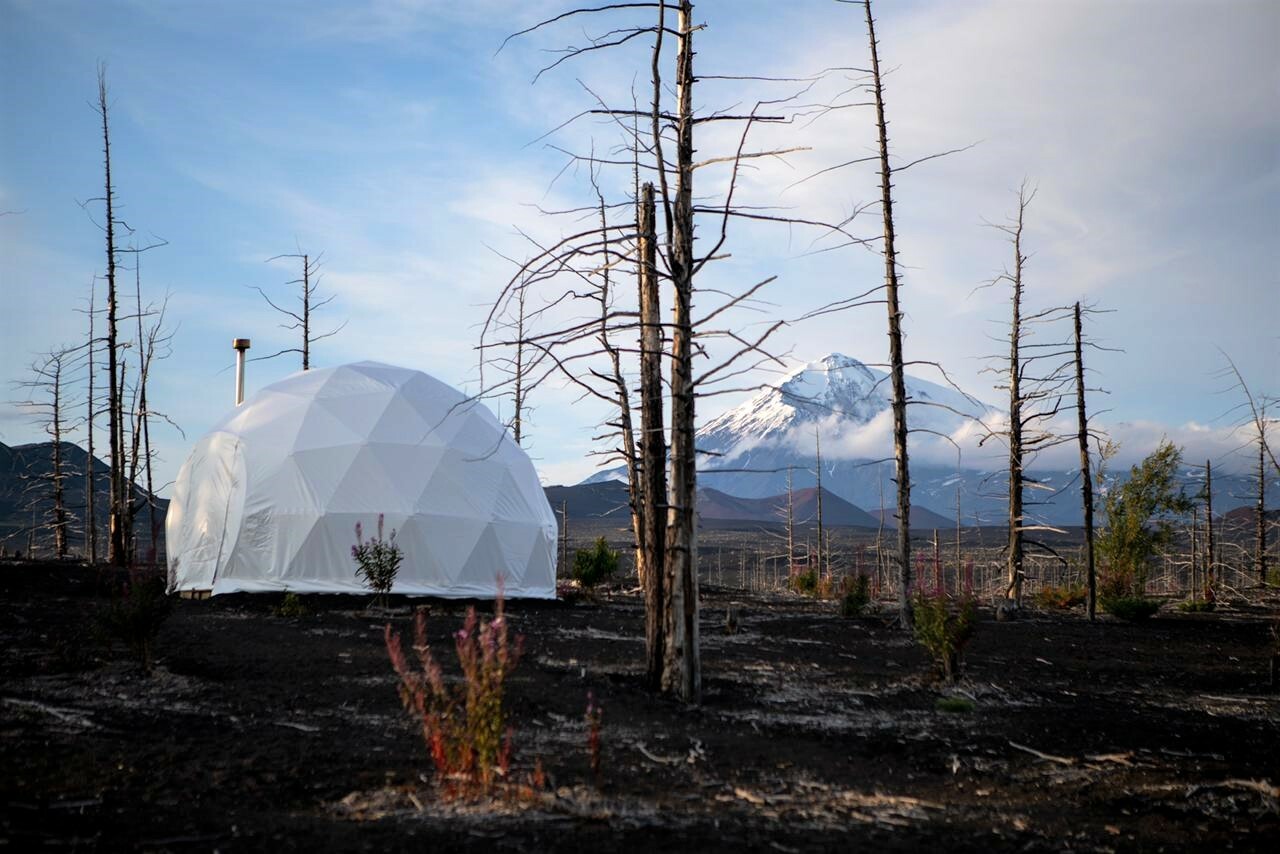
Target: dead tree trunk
(791,528)
(683,672)
(897,383)
(1014,555)
(1210,557)
(309,301)
(90,511)
(517,421)
(117,553)
(653,445)
(622,396)
(1086,470)
(822,544)
(1260,517)
(1195,553)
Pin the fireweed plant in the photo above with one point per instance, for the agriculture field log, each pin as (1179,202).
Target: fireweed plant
(377,561)
(463,723)
(594,720)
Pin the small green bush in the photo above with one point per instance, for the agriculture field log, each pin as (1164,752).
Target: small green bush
(1273,577)
(1197,606)
(377,560)
(136,615)
(291,606)
(1131,608)
(1061,598)
(594,565)
(955,705)
(944,632)
(805,582)
(856,595)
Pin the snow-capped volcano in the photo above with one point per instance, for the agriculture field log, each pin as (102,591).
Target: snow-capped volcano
(843,397)
(762,446)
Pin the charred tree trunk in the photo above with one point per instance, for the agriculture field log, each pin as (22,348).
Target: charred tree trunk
(306,313)
(897,383)
(1260,517)
(117,552)
(1086,470)
(622,396)
(1014,556)
(683,672)
(59,505)
(653,446)
(822,544)
(1210,557)
(791,528)
(517,422)
(90,511)
(1195,554)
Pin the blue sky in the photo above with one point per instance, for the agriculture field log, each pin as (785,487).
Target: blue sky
(394,138)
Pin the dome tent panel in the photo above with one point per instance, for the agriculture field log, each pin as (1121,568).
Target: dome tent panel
(321,469)
(358,412)
(438,465)
(321,428)
(400,423)
(204,511)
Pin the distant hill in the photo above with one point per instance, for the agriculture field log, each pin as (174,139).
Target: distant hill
(607,499)
(25,496)
(714,504)
(922,518)
(1246,517)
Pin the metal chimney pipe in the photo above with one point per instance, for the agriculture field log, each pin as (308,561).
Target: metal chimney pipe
(240,345)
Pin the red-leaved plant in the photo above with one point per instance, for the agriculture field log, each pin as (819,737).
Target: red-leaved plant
(463,723)
(595,717)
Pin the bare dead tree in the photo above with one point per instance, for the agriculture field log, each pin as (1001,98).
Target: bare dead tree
(666,151)
(896,369)
(117,551)
(1086,469)
(47,404)
(90,510)
(1260,513)
(791,527)
(817,441)
(1037,376)
(1210,549)
(309,300)
(653,444)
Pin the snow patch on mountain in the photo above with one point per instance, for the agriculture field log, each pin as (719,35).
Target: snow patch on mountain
(848,403)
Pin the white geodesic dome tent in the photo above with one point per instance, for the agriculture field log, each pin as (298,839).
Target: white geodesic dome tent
(270,497)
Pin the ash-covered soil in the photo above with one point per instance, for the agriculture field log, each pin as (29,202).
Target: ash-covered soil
(817,733)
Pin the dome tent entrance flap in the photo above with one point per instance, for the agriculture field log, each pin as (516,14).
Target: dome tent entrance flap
(270,497)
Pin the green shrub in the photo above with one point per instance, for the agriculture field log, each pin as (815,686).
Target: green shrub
(1139,514)
(1197,606)
(1061,598)
(377,560)
(136,615)
(944,632)
(954,705)
(805,582)
(1131,608)
(594,565)
(855,595)
(1273,577)
(291,606)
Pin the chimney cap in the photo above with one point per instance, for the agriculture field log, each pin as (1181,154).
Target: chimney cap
(240,343)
